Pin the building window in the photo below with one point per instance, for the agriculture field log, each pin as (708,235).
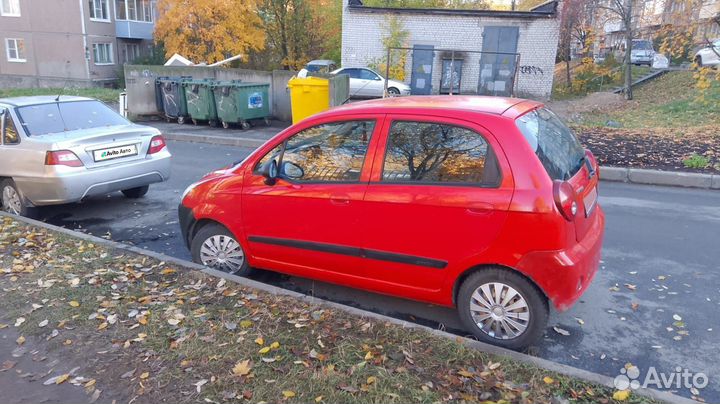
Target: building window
(15,49)
(131,51)
(10,8)
(103,53)
(134,10)
(99,10)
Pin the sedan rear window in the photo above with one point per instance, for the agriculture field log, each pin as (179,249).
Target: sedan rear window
(57,117)
(557,147)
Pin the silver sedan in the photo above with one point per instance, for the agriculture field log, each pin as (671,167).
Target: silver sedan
(56,150)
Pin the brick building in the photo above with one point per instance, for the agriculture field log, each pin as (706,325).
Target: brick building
(491,52)
(58,43)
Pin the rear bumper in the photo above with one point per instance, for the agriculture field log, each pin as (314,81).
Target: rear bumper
(566,274)
(67,185)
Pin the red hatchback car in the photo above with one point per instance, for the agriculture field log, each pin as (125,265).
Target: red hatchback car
(486,204)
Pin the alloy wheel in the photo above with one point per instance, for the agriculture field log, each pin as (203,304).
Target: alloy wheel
(11,202)
(222,252)
(499,310)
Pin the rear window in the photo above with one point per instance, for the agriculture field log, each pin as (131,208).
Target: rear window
(557,147)
(642,45)
(60,117)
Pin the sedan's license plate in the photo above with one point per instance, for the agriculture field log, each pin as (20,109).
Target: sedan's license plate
(590,201)
(115,152)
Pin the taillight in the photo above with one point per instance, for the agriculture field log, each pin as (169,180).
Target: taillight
(157,143)
(62,158)
(564,196)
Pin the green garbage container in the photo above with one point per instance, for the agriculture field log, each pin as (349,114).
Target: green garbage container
(239,103)
(170,96)
(200,101)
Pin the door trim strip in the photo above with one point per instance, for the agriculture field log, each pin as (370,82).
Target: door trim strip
(352,251)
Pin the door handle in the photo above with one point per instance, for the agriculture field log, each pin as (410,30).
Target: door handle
(481,209)
(340,201)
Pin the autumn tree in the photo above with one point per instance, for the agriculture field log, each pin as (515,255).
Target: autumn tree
(297,30)
(573,28)
(208,30)
(622,11)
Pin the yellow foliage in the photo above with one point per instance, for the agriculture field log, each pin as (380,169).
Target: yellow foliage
(209,30)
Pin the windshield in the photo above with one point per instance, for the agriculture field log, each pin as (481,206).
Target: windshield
(556,146)
(57,117)
(642,45)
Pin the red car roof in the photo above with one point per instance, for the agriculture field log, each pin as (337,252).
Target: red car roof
(510,107)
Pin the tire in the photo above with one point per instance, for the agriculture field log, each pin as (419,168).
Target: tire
(245,125)
(135,193)
(11,200)
(214,234)
(393,92)
(225,125)
(181,120)
(535,310)
(213,123)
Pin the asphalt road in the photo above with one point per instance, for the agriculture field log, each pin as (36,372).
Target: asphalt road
(661,262)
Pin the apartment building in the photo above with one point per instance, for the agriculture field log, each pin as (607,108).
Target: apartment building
(58,43)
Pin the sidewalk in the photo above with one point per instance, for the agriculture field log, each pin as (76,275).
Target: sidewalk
(253,137)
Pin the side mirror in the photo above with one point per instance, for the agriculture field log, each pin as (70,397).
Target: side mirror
(270,172)
(292,170)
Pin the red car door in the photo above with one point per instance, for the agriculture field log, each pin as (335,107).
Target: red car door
(438,196)
(308,222)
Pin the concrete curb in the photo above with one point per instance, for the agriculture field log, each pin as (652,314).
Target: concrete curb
(607,173)
(217,140)
(481,346)
(658,177)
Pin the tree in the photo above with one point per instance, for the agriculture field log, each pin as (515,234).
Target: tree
(294,30)
(209,30)
(573,27)
(623,11)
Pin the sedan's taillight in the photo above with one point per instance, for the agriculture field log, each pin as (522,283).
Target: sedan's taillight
(564,196)
(62,158)
(157,143)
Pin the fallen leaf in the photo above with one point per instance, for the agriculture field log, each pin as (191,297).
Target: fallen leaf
(173,321)
(260,341)
(145,375)
(561,331)
(288,393)
(621,395)
(62,378)
(242,368)
(74,303)
(20,340)
(264,350)
(43,323)
(548,380)
(634,306)
(275,345)
(371,380)
(246,324)
(19,321)
(677,317)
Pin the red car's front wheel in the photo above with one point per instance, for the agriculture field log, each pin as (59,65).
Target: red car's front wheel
(216,247)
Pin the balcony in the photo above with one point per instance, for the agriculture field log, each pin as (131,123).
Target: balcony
(134,29)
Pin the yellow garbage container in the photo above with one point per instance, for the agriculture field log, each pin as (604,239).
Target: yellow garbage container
(308,96)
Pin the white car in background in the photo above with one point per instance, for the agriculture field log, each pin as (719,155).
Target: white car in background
(366,83)
(709,55)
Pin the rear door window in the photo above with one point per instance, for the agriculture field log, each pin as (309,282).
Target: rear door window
(557,147)
(436,153)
